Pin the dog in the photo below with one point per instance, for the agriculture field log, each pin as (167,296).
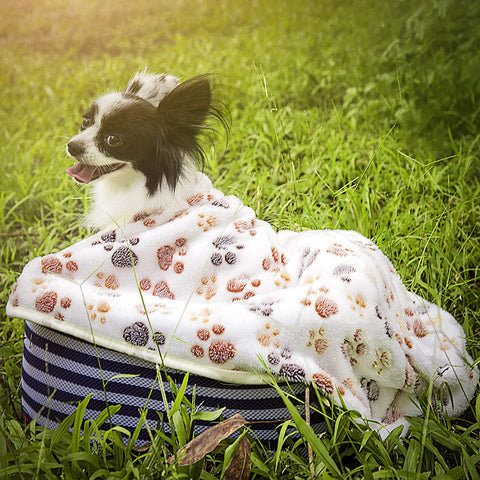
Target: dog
(141,146)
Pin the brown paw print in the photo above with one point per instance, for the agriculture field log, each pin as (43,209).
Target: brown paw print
(358,303)
(225,250)
(317,340)
(268,335)
(107,281)
(208,287)
(339,250)
(244,285)
(206,222)
(246,226)
(54,264)
(165,255)
(383,359)
(49,302)
(162,290)
(219,351)
(98,312)
(353,348)
(324,383)
(275,262)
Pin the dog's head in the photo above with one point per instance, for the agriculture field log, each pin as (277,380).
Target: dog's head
(151,127)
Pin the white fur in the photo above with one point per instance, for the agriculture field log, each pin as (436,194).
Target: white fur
(118,196)
(154,87)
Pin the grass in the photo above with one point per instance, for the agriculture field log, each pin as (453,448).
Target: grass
(324,135)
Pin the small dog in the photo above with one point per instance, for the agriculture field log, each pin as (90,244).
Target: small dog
(142,145)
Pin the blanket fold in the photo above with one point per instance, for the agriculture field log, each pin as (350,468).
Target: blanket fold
(206,287)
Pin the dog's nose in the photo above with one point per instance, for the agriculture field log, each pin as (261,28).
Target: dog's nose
(75,148)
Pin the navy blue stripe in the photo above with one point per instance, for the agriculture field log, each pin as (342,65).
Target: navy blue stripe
(116,386)
(124,366)
(59,416)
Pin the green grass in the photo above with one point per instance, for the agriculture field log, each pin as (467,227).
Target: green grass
(328,131)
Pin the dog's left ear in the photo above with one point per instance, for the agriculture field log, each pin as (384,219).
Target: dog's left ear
(182,114)
(185,109)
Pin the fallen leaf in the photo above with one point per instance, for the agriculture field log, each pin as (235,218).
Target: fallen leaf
(239,468)
(207,441)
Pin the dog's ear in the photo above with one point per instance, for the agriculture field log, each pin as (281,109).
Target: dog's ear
(151,87)
(182,114)
(187,106)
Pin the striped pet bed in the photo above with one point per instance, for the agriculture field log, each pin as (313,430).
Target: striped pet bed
(59,371)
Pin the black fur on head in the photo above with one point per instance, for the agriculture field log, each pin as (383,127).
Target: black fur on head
(159,140)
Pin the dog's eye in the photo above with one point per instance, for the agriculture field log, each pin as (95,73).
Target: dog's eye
(87,122)
(113,140)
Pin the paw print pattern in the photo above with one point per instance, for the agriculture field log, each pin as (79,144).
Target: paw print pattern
(268,335)
(136,334)
(48,302)
(208,287)
(162,290)
(98,312)
(53,264)
(354,348)
(206,222)
(107,281)
(146,218)
(317,340)
(123,256)
(219,351)
(339,250)
(383,359)
(204,316)
(344,272)
(225,247)
(324,383)
(199,199)
(292,372)
(307,258)
(165,255)
(265,308)
(276,264)
(371,388)
(242,285)
(359,303)
(246,226)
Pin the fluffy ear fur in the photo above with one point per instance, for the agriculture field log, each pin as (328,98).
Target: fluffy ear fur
(149,86)
(182,115)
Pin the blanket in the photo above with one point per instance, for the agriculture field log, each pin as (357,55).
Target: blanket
(203,286)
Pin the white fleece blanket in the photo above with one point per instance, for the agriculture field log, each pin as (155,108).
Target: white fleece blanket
(207,287)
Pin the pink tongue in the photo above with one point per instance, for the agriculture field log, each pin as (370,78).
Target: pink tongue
(82,172)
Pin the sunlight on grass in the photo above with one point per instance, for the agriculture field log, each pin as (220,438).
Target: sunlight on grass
(336,123)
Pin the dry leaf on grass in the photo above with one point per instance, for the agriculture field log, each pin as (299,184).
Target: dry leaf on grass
(239,468)
(195,450)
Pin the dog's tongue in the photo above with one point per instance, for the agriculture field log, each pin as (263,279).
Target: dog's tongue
(83,173)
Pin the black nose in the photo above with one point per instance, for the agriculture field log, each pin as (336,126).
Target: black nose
(75,148)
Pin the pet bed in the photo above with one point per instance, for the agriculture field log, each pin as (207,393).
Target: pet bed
(202,285)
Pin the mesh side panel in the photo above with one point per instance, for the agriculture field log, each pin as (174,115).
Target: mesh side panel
(58,371)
